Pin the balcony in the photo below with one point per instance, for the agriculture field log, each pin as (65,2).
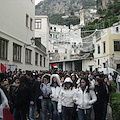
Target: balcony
(39,45)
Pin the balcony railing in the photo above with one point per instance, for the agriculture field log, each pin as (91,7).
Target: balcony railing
(38,44)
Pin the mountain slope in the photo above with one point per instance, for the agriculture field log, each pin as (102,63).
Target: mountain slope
(66,7)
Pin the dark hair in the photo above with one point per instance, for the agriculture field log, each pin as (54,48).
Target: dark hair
(53,84)
(47,77)
(71,85)
(2,76)
(29,73)
(87,83)
(23,82)
(100,81)
(86,80)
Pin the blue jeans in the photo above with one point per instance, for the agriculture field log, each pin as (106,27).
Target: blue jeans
(67,113)
(84,114)
(31,112)
(46,108)
(56,115)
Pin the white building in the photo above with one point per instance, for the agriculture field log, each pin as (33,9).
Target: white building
(100,49)
(16,31)
(42,37)
(64,44)
(107,50)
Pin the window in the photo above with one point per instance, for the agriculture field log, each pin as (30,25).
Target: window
(38,23)
(104,65)
(28,56)
(65,50)
(27,20)
(40,60)
(104,47)
(98,49)
(74,44)
(90,68)
(3,48)
(51,35)
(54,28)
(16,52)
(50,28)
(56,51)
(116,45)
(31,23)
(44,61)
(98,62)
(36,58)
(54,36)
(118,66)
(117,29)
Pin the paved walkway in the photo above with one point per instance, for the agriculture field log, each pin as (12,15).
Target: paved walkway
(109,113)
(108,116)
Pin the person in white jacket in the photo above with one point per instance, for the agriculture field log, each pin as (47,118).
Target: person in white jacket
(84,98)
(3,103)
(65,101)
(55,87)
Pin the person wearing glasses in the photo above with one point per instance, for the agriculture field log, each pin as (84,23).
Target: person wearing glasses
(84,98)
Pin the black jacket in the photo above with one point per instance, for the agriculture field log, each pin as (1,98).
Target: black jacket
(33,86)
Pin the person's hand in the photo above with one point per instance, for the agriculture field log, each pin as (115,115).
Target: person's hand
(108,82)
(31,102)
(7,107)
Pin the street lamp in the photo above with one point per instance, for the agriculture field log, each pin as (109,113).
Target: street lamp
(32,42)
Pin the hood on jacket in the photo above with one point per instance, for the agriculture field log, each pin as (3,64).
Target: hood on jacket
(68,79)
(91,87)
(55,76)
(46,74)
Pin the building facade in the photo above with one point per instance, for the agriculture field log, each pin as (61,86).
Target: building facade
(16,34)
(99,50)
(107,50)
(42,38)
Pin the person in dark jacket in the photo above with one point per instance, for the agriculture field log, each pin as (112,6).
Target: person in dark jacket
(22,100)
(33,94)
(101,93)
(39,94)
(12,92)
(109,89)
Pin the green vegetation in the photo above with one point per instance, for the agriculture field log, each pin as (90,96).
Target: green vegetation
(88,3)
(57,19)
(115,102)
(108,18)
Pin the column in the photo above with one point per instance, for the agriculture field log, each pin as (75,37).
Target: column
(64,66)
(73,65)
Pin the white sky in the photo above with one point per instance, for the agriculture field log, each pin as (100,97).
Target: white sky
(37,1)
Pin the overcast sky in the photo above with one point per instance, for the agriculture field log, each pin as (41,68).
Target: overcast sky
(37,1)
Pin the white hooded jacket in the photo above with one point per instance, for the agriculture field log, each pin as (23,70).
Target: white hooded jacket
(66,96)
(84,99)
(55,90)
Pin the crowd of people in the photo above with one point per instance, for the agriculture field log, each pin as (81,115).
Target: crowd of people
(55,95)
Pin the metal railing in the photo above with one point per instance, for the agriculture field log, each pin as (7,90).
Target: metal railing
(38,44)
